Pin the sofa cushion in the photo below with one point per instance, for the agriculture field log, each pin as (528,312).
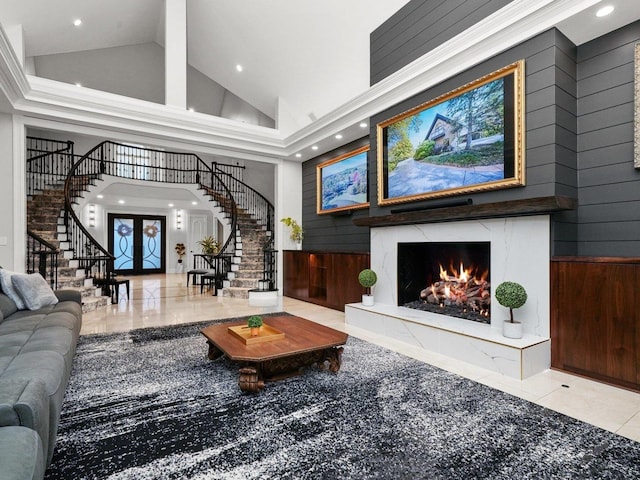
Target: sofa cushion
(21,454)
(12,343)
(25,323)
(34,290)
(9,290)
(7,306)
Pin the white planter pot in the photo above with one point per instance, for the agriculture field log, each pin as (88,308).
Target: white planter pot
(367,300)
(512,330)
(298,245)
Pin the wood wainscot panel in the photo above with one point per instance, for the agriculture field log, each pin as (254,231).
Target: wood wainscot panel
(296,274)
(329,279)
(595,325)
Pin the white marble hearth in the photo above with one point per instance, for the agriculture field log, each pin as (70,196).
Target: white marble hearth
(520,252)
(471,342)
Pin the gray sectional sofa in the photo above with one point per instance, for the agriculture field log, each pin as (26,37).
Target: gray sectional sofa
(36,355)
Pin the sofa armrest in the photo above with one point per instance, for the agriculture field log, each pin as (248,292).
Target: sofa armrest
(25,402)
(69,296)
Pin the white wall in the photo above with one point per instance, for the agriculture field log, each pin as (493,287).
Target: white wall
(135,71)
(138,71)
(6,193)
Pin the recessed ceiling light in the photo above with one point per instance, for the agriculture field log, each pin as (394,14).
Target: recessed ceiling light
(298,155)
(315,147)
(120,201)
(194,203)
(100,196)
(78,84)
(171,204)
(339,136)
(191,109)
(239,67)
(604,11)
(77,22)
(364,125)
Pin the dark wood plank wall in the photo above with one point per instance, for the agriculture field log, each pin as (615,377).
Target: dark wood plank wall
(579,128)
(419,27)
(550,127)
(609,211)
(331,233)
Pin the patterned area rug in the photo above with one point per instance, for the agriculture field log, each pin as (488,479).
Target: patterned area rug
(148,404)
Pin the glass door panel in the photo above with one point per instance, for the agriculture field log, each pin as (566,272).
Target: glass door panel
(122,243)
(138,243)
(152,244)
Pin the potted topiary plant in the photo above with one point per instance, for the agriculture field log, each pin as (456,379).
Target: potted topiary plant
(367,279)
(511,295)
(254,322)
(297,233)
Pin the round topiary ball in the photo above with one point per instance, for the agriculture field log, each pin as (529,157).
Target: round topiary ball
(511,294)
(367,278)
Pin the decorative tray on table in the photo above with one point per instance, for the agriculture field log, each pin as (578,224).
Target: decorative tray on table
(267,334)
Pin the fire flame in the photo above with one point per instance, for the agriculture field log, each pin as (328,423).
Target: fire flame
(460,286)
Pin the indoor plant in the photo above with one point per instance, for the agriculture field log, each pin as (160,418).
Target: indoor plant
(296,230)
(511,295)
(254,322)
(367,279)
(181,251)
(210,245)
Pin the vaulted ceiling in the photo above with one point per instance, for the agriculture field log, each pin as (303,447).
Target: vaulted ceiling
(312,55)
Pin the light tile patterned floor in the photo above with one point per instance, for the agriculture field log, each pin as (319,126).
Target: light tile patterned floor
(158,300)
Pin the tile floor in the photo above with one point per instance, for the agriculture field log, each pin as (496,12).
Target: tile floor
(158,300)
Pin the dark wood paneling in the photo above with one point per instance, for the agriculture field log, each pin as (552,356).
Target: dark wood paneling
(594,319)
(329,279)
(296,275)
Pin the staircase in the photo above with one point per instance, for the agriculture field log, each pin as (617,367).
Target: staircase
(245,262)
(44,218)
(247,270)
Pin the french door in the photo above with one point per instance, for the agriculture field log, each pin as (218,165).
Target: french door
(138,243)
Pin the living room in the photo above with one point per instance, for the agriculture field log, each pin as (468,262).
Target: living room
(570,211)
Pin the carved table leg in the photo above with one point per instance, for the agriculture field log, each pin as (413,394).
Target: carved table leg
(214,352)
(332,356)
(250,380)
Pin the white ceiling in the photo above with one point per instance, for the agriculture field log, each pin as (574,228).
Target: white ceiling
(312,55)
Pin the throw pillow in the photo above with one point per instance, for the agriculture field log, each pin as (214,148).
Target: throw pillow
(34,290)
(7,288)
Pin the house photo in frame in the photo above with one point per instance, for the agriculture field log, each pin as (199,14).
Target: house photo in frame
(342,182)
(470,139)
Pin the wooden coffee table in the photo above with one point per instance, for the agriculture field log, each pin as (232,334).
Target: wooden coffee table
(305,343)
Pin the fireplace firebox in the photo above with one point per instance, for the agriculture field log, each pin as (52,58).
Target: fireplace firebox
(448,278)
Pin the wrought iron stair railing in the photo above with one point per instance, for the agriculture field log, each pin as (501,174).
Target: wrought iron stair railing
(262,211)
(137,163)
(52,163)
(48,163)
(42,257)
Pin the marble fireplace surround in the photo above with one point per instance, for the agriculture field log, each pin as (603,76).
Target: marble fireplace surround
(520,252)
